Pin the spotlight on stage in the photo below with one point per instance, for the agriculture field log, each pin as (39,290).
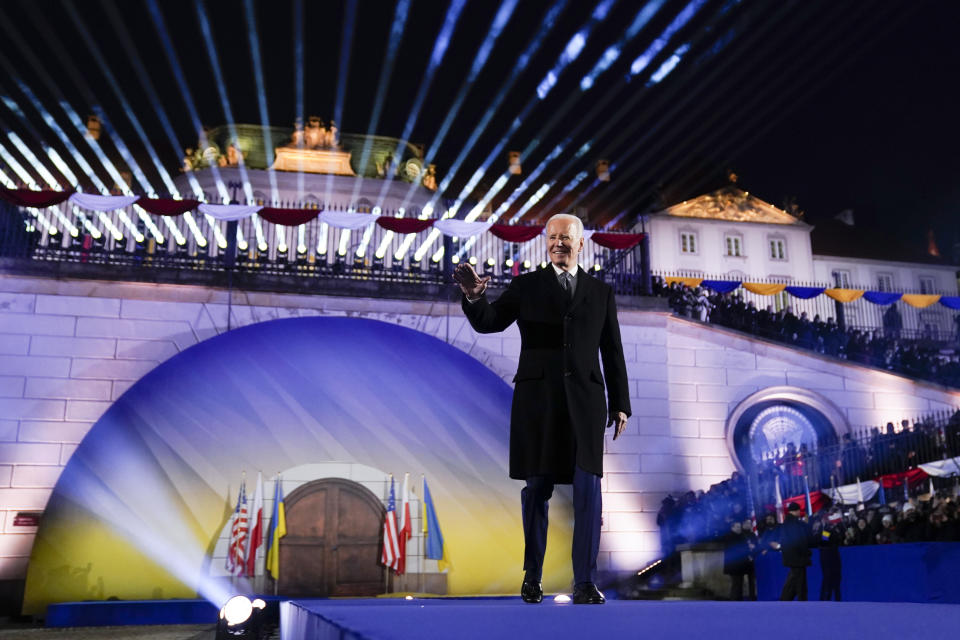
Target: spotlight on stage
(241,618)
(508,263)
(526,265)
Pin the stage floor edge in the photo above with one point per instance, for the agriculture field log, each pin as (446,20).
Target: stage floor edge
(485,618)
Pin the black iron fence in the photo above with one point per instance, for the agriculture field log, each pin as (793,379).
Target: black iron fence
(864,454)
(130,243)
(898,320)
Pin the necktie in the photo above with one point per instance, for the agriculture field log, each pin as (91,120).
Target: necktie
(567,282)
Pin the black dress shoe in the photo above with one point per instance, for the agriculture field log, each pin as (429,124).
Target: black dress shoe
(587,593)
(531,591)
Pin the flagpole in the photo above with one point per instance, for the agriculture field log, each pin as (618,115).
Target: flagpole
(386,569)
(423,541)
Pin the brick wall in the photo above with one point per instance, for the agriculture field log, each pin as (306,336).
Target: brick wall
(69,348)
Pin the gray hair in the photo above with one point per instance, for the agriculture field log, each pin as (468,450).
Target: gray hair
(568,218)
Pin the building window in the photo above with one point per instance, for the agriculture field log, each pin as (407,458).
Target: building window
(884,282)
(688,242)
(841,278)
(927,284)
(778,249)
(734,245)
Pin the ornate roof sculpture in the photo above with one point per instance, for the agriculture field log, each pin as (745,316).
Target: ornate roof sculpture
(734,205)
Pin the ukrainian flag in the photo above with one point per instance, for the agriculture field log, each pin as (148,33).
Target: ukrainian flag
(278,529)
(434,548)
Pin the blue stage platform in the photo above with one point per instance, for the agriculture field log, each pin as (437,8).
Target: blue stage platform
(486,618)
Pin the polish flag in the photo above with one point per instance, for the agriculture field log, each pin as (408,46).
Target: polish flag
(256,527)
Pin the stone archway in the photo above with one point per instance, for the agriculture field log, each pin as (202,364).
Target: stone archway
(827,422)
(332,546)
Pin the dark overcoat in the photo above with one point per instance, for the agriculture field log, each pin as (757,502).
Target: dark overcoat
(559,410)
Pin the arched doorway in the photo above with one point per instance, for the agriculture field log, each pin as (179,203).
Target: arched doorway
(332,546)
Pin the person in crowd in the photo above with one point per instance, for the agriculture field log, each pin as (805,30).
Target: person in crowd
(738,549)
(794,544)
(831,538)
(887,349)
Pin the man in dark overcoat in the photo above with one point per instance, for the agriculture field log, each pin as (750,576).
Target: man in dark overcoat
(566,319)
(794,542)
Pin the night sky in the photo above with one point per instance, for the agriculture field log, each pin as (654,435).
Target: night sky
(838,105)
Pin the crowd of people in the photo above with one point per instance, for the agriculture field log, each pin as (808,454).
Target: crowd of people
(723,514)
(884,348)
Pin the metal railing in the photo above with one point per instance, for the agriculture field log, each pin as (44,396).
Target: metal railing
(260,248)
(866,454)
(934,323)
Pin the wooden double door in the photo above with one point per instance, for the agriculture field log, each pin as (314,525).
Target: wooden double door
(333,541)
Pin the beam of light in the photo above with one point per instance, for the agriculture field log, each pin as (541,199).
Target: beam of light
(678,22)
(28,180)
(254,39)
(67,63)
(228,113)
(440,46)
(25,151)
(569,54)
(52,154)
(668,65)
(151,514)
(367,234)
(7,182)
(52,182)
(322,239)
(612,54)
(298,83)
(386,70)
(627,107)
(57,161)
(501,182)
(50,122)
(387,238)
(177,70)
(644,59)
(133,56)
(18,169)
(75,154)
(572,51)
(75,120)
(404,247)
(479,61)
(346,46)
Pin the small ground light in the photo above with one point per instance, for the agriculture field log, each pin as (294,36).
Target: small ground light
(543,265)
(561,598)
(408,598)
(526,264)
(490,262)
(596,267)
(454,259)
(509,263)
(473,260)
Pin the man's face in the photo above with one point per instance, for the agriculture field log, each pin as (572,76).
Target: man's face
(564,243)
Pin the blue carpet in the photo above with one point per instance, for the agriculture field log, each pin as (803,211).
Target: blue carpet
(485,618)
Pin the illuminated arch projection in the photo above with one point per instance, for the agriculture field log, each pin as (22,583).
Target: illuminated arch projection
(139,506)
(771,418)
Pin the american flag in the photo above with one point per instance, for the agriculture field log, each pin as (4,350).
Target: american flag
(236,550)
(390,557)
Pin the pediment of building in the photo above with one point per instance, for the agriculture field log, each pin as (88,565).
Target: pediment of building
(731,204)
